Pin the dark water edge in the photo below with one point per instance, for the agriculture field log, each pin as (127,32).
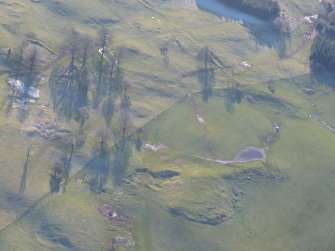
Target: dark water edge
(262,31)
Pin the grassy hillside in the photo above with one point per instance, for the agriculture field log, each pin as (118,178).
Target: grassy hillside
(204,205)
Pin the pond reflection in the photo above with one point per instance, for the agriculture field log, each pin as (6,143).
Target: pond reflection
(262,31)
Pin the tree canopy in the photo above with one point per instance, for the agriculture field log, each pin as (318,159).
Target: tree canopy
(323,48)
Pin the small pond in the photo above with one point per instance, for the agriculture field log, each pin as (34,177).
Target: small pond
(262,31)
(249,154)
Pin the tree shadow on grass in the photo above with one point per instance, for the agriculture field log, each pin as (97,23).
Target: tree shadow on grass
(108,109)
(232,96)
(61,171)
(206,78)
(69,93)
(99,170)
(122,153)
(24,175)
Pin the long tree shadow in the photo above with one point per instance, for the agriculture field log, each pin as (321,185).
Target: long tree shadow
(232,96)
(108,87)
(206,78)
(109,164)
(61,169)
(67,168)
(122,153)
(24,175)
(99,169)
(108,109)
(69,91)
(58,174)
(206,72)
(100,88)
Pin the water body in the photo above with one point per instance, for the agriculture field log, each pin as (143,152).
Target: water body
(261,30)
(230,13)
(249,154)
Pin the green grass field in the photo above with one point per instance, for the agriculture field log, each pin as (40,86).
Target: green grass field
(251,208)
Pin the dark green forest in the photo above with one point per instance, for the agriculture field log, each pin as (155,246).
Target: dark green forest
(323,48)
(264,9)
